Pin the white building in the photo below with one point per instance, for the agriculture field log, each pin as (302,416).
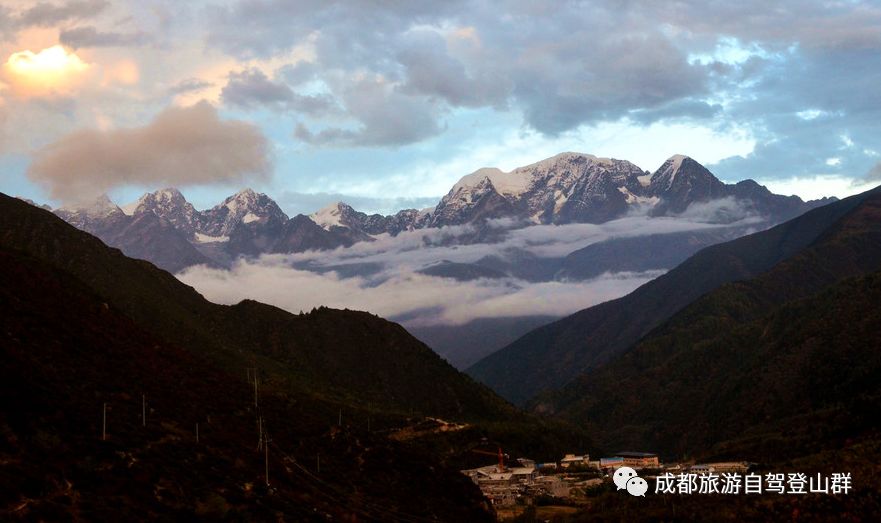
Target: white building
(571,459)
(719,468)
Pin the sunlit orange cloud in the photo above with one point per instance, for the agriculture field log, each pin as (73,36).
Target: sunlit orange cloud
(54,70)
(125,72)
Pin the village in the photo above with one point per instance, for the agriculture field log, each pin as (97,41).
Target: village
(510,487)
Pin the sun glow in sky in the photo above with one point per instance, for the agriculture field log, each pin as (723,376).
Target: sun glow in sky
(52,69)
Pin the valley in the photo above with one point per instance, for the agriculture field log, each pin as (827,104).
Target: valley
(306,383)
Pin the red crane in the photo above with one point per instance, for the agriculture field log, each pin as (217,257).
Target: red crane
(500,455)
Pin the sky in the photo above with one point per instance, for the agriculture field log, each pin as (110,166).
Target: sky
(386,104)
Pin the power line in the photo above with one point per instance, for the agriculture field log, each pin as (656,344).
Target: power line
(397,515)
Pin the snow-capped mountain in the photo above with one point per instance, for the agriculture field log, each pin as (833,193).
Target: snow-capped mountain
(681,181)
(332,215)
(166,229)
(566,188)
(340,214)
(143,234)
(90,214)
(582,188)
(467,202)
(171,205)
(244,207)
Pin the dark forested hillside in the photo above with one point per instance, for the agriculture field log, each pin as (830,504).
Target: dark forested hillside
(67,353)
(338,353)
(551,356)
(781,364)
(84,326)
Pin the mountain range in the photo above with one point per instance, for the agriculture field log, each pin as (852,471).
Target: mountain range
(88,332)
(761,348)
(178,314)
(552,355)
(163,227)
(780,363)
(582,188)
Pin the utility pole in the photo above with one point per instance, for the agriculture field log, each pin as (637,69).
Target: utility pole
(259,432)
(255,388)
(197,432)
(340,421)
(104,423)
(318,463)
(266,457)
(143,410)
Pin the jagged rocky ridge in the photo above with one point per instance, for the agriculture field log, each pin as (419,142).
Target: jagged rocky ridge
(163,227)
(569,188)
(549,357)
(782,363)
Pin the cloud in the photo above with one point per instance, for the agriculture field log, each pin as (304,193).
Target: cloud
(181,146)
(299,73)
(809,105)
(189,85)
(874,174)
(433,83)
(416,249)
(251,88)
(424,300)
(52,72)
(45,14)
(611,78)
(89,36)
(385,117)
(816,187)
(432,70)
(261,28)
(677,110)
(4,117)
(7,24)
(560,68)
(839,25)
(722,211)
(383,276)
(746,65)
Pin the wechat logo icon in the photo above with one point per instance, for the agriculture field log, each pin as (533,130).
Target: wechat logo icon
(626,479)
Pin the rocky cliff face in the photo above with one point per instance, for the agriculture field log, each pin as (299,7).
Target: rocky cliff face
(582,188)
(566,188)
(164,228)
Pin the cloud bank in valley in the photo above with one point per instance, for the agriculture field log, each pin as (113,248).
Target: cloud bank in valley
(408,297)
(383,276)
(181,146)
